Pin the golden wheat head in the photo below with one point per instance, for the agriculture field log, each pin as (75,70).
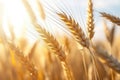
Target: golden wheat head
(75,29)
(111,18)
(90,20)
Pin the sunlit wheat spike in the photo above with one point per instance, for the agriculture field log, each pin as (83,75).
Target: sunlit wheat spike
(31,52)
(51,42)
(24,61)
(90,19)
(41,10)
(109,33)
(112,33)
(55,48)
(112,62)
(29,10)
(111,18)
(74,28)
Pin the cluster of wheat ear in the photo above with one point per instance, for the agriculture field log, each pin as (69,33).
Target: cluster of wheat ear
(54,58)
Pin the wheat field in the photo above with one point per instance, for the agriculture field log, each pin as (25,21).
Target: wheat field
(69,54)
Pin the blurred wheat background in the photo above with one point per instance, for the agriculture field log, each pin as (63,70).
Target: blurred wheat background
(59,40)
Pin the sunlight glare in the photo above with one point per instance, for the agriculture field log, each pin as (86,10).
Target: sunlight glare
(14,12)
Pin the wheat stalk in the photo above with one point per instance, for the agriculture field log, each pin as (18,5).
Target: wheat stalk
(24,61)
(112,33)
(55,48)
(41,9)
(80,37)
(75,29)
(109,33)
(111,18)
(110,37)
(32,50)
(90,20)
(29,9)
(31,12)
(112,62)
(51,42)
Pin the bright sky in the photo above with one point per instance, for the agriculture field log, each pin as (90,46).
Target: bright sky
(15,12)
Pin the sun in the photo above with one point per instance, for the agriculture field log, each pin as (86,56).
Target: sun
(15,15)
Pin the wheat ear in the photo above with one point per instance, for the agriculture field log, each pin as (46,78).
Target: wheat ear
(109,59)
(55,48)
(24,61)
(90,20)
(109,33)
(111,18)
(75,29)
(32,50)
(41,9)
(79,35)
(30,11)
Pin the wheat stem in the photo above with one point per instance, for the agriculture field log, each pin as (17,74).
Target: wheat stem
(55,48)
